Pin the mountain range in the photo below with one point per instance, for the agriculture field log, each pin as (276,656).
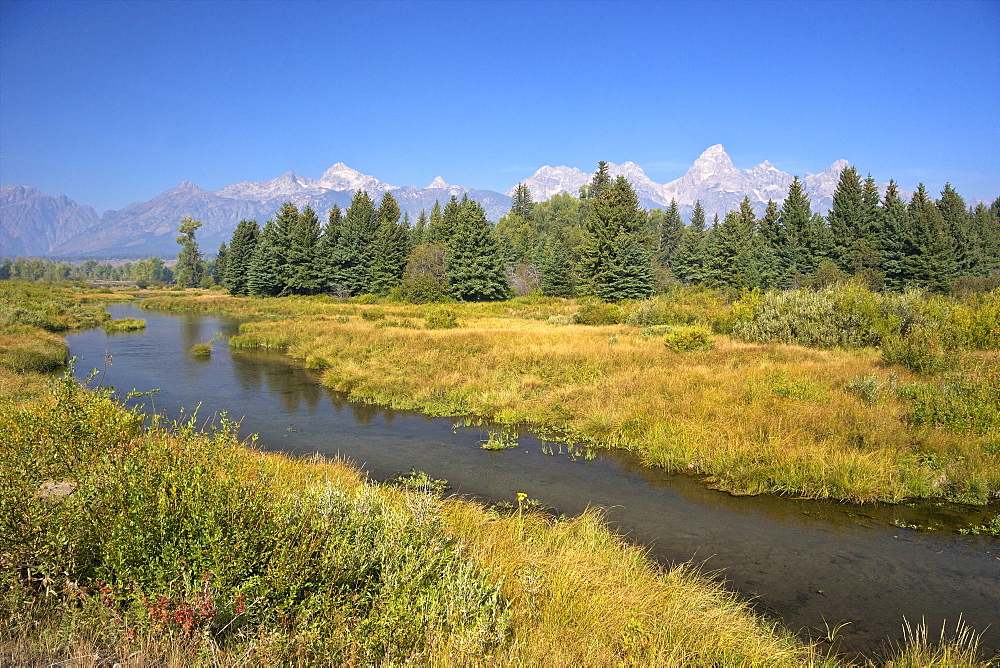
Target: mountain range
(33,223)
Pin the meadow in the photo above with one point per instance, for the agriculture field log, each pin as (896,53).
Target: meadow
(180,543)
(843,394)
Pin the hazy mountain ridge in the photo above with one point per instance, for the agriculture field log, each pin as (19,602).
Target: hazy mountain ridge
(33,223)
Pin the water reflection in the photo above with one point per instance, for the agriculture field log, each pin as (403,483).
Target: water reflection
(808,562)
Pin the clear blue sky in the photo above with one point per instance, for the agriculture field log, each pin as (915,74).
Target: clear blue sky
(111,103)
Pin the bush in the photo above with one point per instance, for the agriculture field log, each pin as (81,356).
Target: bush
(443,319)
(688,339)
(595,312)
(960,403)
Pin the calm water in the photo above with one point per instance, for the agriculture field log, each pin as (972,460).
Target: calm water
(808,563)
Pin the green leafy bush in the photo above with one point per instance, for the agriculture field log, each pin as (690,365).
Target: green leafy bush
(958,403)
(688,339)
(593,311)
(443,319)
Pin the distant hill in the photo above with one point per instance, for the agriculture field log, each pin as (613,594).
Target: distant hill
(33,223)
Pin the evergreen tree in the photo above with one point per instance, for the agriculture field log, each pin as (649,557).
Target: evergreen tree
(390,248)
(419,234)
(735,252)
(689,262)
(930,255)
(771,241)
(356,251)
(985,227)
(475,268)
(190,266)
(263,278)
(219,268)
(327,257)
(241,248)
(865,255)
(614,262)
(521,203)
(668,230)
(557,269)
(796,214)
(599,184)
(958,223)
(895,230)
(846,218)
(301,271)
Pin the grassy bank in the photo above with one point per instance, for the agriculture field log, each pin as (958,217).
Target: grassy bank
(893,397)
(171,545)
(31,319)
(165,545)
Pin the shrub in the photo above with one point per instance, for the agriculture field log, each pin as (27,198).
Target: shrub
(688,339)
(595,312)
(372,314)
(957,403)
(443,319)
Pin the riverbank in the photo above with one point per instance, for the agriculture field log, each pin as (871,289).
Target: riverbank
(89,581)
(751,417)
(171,545)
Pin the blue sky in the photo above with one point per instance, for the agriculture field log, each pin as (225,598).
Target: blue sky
(111,103)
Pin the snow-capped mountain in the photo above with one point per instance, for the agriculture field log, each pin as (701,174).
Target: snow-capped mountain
(712,179)
(32,223)
(549,181)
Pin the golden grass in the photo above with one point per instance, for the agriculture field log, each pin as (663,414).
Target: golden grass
(753,417)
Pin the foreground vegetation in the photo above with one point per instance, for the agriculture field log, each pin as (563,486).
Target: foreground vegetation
(173,546)
(840,393)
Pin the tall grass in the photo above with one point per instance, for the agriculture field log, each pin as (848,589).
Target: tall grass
(169,544)
(754,417)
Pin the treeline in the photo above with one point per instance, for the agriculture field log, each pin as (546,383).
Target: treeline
(452,253)
(148,272)
(602,244)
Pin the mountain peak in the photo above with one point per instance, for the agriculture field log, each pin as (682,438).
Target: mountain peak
(438,182)
(342,177)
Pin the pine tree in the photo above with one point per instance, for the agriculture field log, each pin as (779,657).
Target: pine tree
(930,254)
(356,251)
(895,229)
(796,256)
(771,241)
(521,203)
(390,248)
(475,269)
(419,234)
(557,268)
(735,251)
(301,273)
(219,268)
(190,266)
(241,248)
(958,223)
(326,263)
(263,278)
(985,227)
(689,262)
(444,223)
(614,262)
(600,183)
(845,218)
(668,230)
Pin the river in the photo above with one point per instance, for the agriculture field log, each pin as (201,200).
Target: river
(811,564)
